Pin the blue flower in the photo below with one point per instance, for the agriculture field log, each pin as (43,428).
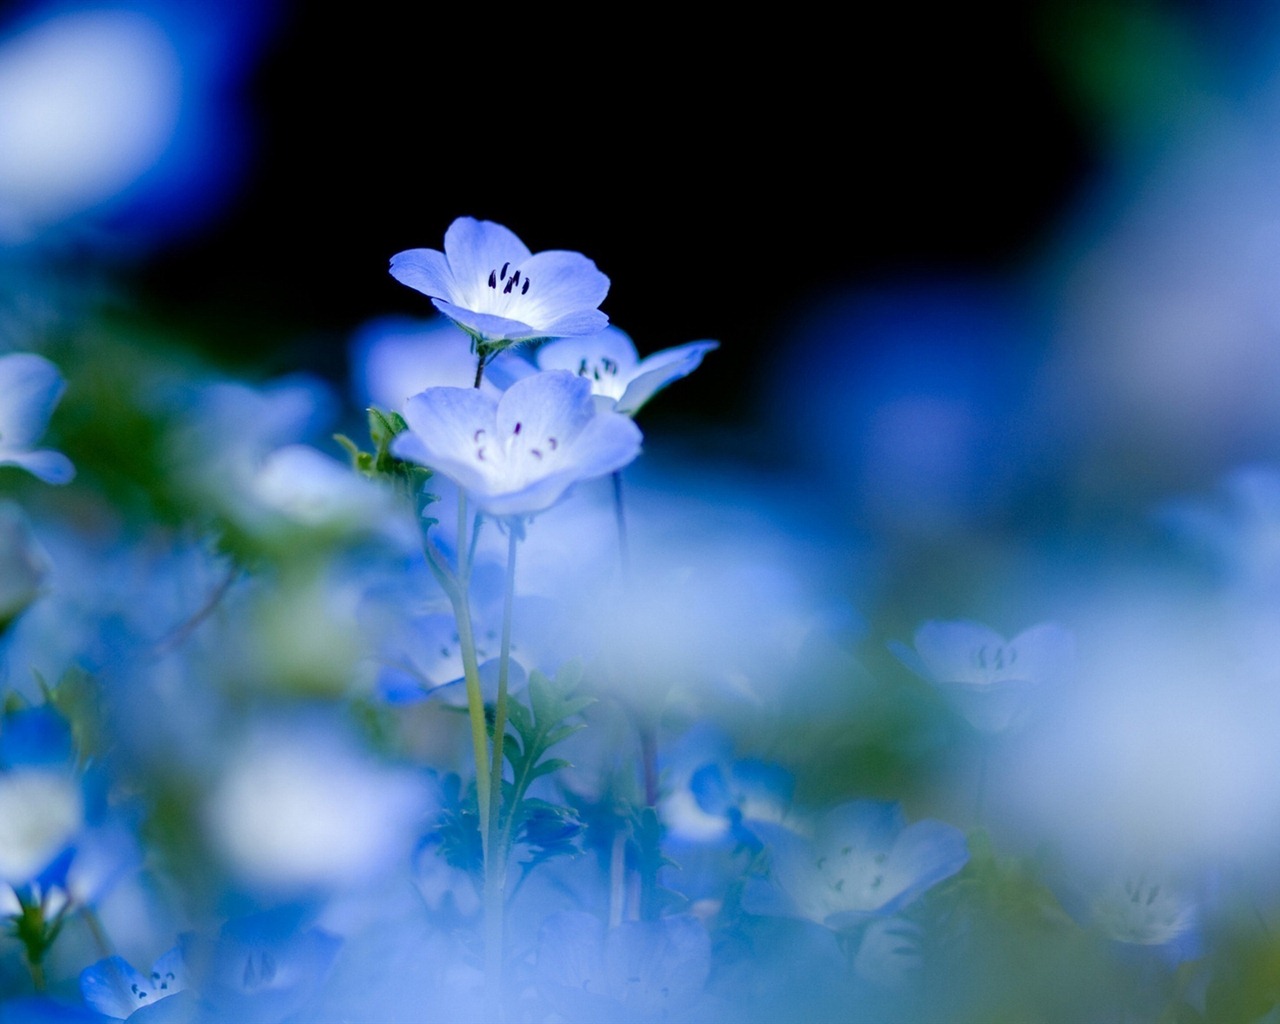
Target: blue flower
(115,988)
(636,971)
(991,681)
(263,967)
(519,453)
(617,373)
(490,284)
(862,861)
(30,387)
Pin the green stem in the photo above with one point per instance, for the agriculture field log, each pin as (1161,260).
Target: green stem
(457,587)
(498,830)
(99,934)
(624,549)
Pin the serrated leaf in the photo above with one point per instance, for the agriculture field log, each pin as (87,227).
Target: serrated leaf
(511,750)
(551,764)
(563,733)
(519,717)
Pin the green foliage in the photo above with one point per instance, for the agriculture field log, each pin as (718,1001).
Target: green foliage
(544,827)
(380,463)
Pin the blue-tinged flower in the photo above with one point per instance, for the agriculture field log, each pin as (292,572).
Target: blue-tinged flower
(302,810)
(991,681)
(30,387)
(263,968)
(23,565)
(41,813)
(1238,527)
(393,358)
(862,861)
(518,454)
(115,988)
(637,971)
(123,116)
(490,284)
(617,373)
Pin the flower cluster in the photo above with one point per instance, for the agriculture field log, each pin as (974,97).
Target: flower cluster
(432,701)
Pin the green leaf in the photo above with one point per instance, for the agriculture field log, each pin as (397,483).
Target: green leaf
(551,764)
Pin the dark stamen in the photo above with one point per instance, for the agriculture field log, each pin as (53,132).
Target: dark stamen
(534,451)
(503,273)
(517,430)
(493,279)
(553,442)
(510,284)
(524,288)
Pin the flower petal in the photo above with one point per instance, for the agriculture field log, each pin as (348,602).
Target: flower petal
(445,423)
(30,387)
(565,289)
(426,270)
(553,403)
(487,325)
(50,466)
(475,247)
(114,987)
(655,372)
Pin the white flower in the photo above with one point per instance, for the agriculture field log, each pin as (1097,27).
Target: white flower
(490,284)
(307,809)
(989,680)
(617,373)
(40,813)
(519,453)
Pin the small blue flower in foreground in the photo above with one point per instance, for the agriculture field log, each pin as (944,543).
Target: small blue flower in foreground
(115,988)
(30,387)
(517,454)
(617,373)
(490,284)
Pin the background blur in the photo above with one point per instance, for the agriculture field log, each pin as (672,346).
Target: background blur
(726,176)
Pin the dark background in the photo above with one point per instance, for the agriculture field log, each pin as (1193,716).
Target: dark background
(724,174)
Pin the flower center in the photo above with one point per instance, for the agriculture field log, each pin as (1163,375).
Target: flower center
(500,282)
(511,452)
(996,657)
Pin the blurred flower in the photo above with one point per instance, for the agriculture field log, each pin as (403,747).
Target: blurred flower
(518,454)
(991,681)
(394,358)
(311,489)
(121,114)
(23,564)
(298,810)
(490,284)
(863,860)
(227,429)
(115,988)
(1146,910)
(637,971)
(617,373)
(263,968)
(41,812)
(30,387)
(1238,527)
